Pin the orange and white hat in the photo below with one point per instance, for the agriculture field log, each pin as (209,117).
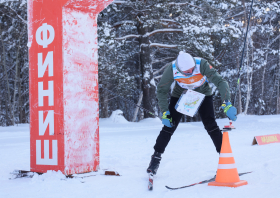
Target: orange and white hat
(185,61)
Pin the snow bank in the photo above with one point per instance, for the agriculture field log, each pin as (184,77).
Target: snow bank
(117,116)
(50,176)
(127,147)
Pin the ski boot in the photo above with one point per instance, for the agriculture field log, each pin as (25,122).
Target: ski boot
(154,164)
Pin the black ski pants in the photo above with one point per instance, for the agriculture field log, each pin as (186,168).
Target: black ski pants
(206,112)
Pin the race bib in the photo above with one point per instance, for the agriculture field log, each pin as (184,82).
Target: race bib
(189,102)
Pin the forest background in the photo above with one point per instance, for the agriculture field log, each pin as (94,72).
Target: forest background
(137,39)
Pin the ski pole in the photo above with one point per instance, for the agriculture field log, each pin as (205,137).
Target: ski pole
(129,101)
(241,61)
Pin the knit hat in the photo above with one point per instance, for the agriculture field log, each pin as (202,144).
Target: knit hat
(185,61)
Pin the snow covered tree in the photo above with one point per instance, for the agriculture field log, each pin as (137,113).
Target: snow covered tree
(160,29)
(138,38)
(117,68)
(14,101)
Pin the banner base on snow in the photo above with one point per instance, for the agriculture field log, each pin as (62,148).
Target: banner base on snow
(29,174)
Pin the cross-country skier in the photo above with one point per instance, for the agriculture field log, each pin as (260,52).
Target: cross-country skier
(189,73)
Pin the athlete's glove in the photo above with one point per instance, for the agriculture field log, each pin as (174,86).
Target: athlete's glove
(166,119)
(229,110)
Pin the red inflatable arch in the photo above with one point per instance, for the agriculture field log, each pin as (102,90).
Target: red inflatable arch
(63,76)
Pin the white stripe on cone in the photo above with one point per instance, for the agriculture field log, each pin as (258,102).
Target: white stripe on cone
(226,166)
(226,155)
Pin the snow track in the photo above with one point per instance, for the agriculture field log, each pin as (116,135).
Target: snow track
(126,147)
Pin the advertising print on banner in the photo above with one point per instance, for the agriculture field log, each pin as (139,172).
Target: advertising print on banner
(266,139)
(63,76)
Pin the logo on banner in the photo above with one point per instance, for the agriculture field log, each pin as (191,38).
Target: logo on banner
(266,139)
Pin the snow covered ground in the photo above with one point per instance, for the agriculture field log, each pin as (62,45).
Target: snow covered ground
(126,147)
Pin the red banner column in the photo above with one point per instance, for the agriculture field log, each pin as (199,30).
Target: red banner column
(63,76)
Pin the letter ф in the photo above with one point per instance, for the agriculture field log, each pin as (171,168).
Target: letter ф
(45,41)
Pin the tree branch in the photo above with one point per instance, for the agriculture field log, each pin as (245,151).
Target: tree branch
(181,4)
(163,31)
(122,23)
(139,20)
(156,72)
(161,60)
(274,40)
(128,36)
(24,21)
(170,21)
(158,77)
(119,2)
(163,45)
(240,13)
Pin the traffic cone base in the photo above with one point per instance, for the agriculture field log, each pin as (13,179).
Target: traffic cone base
(227,174)
(235,184)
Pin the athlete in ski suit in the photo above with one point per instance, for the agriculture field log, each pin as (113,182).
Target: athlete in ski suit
(189,73)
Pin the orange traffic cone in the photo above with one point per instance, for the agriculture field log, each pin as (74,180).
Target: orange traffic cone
(227,174)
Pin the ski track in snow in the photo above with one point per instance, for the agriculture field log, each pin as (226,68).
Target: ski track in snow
(126,148)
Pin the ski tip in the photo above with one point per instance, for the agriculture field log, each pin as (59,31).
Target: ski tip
(151,182)
(169,188)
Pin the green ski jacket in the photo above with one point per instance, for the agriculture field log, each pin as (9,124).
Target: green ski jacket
(212,75)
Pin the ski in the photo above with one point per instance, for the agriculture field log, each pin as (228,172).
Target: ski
(151,181)
(202,182)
